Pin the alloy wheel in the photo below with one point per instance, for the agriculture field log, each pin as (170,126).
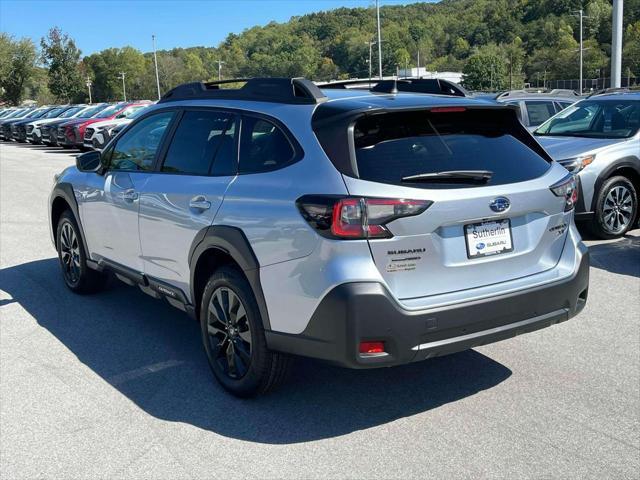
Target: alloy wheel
(70,253)
(229,333)
(617,211)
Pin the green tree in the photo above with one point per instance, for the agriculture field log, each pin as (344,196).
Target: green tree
(485,71)
(17,67)
(62,57)
(631,51)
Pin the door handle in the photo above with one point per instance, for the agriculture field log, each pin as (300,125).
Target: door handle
(200,202)
(130,195)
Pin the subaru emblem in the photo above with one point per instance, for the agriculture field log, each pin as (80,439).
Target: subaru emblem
(500,204)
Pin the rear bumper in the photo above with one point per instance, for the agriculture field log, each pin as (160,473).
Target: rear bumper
(356,312)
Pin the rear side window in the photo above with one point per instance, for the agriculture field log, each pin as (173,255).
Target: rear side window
(393,146)
(201,137)
(263,146)
(539,112)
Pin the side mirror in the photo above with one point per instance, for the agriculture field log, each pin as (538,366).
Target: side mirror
(89,162)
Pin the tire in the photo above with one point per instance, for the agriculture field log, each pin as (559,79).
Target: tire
(234,342)
(616,208)
(78,277)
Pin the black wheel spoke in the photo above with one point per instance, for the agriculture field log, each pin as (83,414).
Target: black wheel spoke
(229,332)
(70,253)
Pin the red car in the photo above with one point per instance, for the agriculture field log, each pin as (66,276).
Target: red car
(74,130)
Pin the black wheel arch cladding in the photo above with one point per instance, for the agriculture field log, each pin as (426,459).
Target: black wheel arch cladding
(64,191)
(232,242)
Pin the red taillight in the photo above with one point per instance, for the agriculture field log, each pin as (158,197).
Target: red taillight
(371,347)
(356,217)
(448,109)
(346,220)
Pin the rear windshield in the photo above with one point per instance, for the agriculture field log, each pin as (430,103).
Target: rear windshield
(390,147)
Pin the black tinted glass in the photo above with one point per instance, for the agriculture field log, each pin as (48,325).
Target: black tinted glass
(201,137)
(263,146)
(393,146)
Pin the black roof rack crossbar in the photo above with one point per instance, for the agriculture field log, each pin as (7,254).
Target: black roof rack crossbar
(279,90)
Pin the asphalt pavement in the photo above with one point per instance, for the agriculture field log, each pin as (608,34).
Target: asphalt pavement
(116,385)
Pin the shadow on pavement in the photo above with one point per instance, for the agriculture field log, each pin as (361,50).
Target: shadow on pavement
(152,353)
(618,256)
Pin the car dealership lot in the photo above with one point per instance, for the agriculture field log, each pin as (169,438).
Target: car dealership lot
(116,384)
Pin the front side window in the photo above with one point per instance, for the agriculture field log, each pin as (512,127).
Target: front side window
(263,146)
(204,143)
(136,149)
(538,112)
(616,118)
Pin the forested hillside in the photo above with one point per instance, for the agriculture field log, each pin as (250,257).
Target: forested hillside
(499,41)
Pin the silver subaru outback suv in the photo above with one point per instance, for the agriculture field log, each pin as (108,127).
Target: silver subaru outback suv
(598,140)
(366,230)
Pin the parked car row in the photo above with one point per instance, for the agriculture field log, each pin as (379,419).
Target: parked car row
(68,126)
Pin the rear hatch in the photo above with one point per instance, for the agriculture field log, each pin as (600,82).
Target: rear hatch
(493,218)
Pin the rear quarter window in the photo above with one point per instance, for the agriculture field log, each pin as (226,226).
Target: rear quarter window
(392,146)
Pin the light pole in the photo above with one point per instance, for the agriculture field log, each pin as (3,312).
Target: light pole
(220,63)
(379,41)
(616,44)
(155,60)
(371,43)
(88,84)
(581,15)
(124,88)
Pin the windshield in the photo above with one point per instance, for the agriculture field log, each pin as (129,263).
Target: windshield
(40,113)
(617,118)
(70,112)
(54,113)
(15,114)
(107,112)
(133,112)
(91,111)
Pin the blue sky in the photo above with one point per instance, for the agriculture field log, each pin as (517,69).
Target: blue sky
(100,24)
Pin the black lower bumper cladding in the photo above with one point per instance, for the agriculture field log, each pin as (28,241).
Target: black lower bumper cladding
(356,312)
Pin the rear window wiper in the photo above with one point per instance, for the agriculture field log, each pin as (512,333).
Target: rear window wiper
(453,176)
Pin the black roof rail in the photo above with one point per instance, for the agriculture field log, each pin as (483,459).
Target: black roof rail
(604,91)
(279,90)
(434,86)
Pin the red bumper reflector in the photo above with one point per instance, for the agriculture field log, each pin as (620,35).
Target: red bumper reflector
(371,347)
